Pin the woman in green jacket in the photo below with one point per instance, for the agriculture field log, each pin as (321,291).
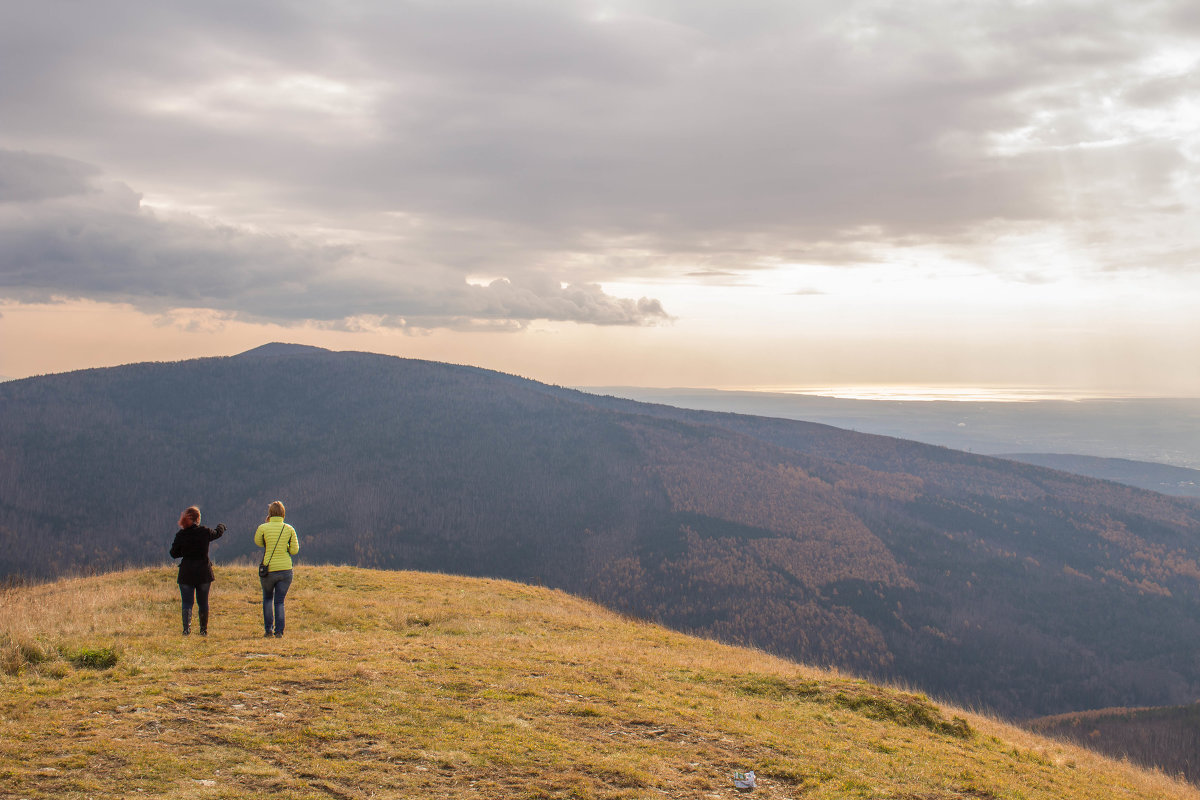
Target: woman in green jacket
(279,543)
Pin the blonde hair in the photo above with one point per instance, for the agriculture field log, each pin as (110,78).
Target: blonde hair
(189,517)
(276,509)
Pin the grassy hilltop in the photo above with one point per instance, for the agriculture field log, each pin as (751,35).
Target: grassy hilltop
(402,684)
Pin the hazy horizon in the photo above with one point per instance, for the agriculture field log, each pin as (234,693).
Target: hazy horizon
(918,393)
(1151,430)
(915,393)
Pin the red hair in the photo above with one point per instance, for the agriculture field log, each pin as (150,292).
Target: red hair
(189,517)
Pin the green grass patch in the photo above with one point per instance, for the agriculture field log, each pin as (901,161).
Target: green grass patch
(93,657)
(902,708)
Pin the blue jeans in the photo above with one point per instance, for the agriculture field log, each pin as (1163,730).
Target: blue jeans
(275,587)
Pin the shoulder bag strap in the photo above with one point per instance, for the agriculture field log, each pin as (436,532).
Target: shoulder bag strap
(282,530)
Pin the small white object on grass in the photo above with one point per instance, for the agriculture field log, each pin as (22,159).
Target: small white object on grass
(743,781)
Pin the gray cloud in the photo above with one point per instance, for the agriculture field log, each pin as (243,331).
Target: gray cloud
(393,150)
(26,177)
(543,299)
(98,242)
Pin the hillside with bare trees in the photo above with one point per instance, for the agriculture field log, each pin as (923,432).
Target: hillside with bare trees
(997,584)
(1167,738)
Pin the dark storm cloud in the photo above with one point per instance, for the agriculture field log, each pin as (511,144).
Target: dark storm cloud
(569,143)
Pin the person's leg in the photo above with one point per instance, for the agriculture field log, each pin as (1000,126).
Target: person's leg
(187,599)
(281,589)
(202,604)
(268,588)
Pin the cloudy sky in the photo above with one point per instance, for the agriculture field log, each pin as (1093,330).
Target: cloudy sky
(652,192)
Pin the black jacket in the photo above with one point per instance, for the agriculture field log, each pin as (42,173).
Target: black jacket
(191,544)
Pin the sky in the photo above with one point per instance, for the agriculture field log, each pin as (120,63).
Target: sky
(639,192)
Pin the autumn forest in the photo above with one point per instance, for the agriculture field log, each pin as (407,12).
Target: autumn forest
(999,585)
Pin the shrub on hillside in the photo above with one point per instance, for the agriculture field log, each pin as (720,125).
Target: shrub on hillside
(93,657)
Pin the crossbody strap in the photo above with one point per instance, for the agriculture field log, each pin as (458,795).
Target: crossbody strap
(282,529)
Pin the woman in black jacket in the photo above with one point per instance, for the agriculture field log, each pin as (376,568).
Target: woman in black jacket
(195,570)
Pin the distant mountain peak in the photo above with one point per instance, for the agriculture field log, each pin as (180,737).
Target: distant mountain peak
(276,349)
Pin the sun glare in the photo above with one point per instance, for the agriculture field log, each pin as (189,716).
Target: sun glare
(914,393)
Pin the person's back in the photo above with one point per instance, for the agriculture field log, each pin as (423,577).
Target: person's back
(195,569)
(279,542)
(191,544)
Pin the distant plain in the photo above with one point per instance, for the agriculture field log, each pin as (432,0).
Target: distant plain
(1157,430)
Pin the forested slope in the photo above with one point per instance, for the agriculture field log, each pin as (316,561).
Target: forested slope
(998,584)
(1167,739)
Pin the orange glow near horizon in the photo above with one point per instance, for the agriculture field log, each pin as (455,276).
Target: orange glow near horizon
(696,352)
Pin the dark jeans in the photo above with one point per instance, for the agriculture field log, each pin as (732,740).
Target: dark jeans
(190,595)
(275,588)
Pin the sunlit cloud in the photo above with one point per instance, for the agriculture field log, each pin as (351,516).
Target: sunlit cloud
(660,168)
(76,238)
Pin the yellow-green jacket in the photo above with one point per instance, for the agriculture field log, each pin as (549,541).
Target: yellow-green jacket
(270,532)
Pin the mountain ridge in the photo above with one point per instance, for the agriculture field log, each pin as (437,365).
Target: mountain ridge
(962,574)
(277,349)
(1164,478)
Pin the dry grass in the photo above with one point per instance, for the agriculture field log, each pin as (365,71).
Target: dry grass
(408,684)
